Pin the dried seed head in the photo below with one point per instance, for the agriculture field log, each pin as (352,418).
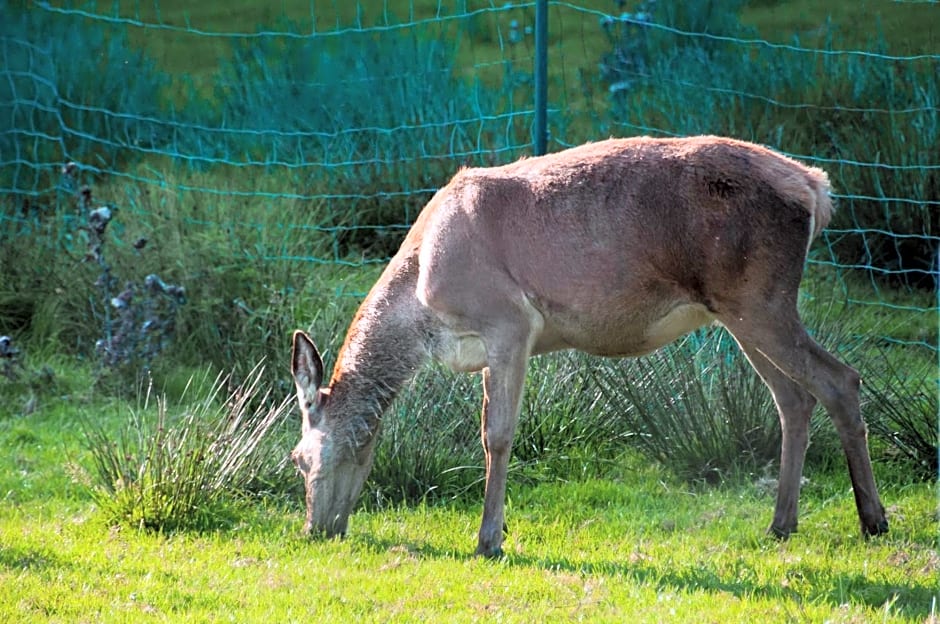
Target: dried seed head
(85,193)
(99,218)
(154,284)
(7,350)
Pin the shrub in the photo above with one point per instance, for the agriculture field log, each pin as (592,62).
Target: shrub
(70,265)
(138,322)
(166,471)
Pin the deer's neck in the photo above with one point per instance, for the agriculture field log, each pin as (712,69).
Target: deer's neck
(385,345)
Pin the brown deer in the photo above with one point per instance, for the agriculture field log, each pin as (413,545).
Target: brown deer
(614,248)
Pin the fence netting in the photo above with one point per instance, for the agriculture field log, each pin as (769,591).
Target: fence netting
(341,119)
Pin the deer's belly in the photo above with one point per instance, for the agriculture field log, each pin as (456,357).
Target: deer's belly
(678,322)
(626,336)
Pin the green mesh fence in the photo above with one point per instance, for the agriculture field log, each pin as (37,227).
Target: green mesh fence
(253,115)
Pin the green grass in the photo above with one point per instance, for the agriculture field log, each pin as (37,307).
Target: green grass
(635,548)
(908,26)
(630,543)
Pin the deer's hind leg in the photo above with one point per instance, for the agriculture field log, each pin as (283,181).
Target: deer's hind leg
(794,406)
(776,336)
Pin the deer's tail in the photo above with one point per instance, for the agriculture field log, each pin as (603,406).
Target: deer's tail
(820,207)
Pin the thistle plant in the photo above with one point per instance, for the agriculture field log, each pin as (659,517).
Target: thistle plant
(9,358)
(139,321)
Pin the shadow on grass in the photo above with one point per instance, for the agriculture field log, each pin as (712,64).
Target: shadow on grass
(18,559)
(803,584)
(815,586)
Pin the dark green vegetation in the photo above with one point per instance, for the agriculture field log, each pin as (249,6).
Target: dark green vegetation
(273,175)
(453,90)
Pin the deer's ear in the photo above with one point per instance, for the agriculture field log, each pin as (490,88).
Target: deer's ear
(306,365)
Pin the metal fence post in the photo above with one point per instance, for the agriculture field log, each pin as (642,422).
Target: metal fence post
(541,76)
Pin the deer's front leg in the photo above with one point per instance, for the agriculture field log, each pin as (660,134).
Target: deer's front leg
(502,388)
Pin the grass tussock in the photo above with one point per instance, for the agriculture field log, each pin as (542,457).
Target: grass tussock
(171,471)
(902,406)
(696,407)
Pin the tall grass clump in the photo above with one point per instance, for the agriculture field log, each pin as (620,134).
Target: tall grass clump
(901,388)
(430,445)
(695,407)
(189,470)
(698,408)
(564,429)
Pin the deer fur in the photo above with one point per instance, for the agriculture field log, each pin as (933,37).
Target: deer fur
(614,248)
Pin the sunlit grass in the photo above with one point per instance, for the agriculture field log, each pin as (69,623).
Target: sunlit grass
(181,471)
(636,546)
(625,541)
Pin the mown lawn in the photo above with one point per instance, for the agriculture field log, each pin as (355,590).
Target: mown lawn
(635,545)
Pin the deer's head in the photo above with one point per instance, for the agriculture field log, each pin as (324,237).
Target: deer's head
(335,451)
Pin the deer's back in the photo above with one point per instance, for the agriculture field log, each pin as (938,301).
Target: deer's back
(622,243)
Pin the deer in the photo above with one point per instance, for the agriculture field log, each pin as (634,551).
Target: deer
(614,248)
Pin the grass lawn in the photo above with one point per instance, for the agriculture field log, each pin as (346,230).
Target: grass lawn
(634,545)
(625,550)
(631,549)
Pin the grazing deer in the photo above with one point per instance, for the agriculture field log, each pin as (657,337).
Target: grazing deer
(615,248)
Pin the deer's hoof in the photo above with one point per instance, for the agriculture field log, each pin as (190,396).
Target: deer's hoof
(878,528)
(489,552)
(780,533)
